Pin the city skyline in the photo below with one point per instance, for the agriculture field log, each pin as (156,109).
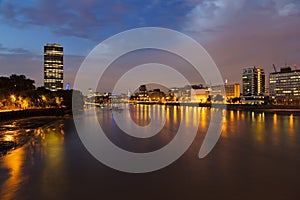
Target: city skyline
(161,99)
(257,32)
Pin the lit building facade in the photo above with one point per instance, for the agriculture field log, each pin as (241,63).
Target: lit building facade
(253,84)
(284,86)
(200,95)
(143,94)
(233,90)
(176,92)
(192,93)
(53,67)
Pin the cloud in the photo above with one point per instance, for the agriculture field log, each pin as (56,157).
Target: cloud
(25,64)
(221,15)
(85,19)
(208,15)
(240,33)
(287,7)
(92,19)
(8,50)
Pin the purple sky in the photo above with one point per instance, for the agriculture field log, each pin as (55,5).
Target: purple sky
(236,33)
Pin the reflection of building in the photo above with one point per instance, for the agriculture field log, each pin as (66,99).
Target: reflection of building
(285,86)
(253,84)
(53,67)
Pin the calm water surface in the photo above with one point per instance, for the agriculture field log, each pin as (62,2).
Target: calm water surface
(257,157)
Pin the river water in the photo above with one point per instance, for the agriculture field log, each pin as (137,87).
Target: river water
(256,157)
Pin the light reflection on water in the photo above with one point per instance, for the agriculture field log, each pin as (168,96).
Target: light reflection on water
(46,144)
(249,154)
(16,175)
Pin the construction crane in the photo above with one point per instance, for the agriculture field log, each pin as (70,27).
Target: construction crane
(274,67)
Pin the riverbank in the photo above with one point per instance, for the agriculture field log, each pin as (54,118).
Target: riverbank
(266,108)
(18,132)
(17,127)
(241,107)
(20,114)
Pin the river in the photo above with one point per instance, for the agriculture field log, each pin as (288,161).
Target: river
(256,157)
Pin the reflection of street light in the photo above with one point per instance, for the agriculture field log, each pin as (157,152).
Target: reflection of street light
(8,138)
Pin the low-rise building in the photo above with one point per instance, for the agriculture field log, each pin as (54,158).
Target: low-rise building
(284,86)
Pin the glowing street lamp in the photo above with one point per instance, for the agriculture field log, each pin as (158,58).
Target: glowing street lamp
(13,98)
(25,104)
(44,98)
(8,138)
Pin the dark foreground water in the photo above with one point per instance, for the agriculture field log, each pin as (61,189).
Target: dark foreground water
(257,157)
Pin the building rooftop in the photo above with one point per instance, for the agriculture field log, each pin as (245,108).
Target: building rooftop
(285,70)
(53,45)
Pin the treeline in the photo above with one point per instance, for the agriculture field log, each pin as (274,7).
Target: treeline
(19,92)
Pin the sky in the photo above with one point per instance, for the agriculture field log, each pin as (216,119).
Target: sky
(236,33)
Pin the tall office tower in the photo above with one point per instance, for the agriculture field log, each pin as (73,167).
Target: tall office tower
(253,82)
(285,86)
(53,67)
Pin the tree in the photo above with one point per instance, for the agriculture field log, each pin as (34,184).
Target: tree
(209,98)
(19,92)
(70,99)
(236,99)
(218,98)
(16,91)
(18,83)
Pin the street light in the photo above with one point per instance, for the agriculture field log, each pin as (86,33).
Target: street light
(13,98)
